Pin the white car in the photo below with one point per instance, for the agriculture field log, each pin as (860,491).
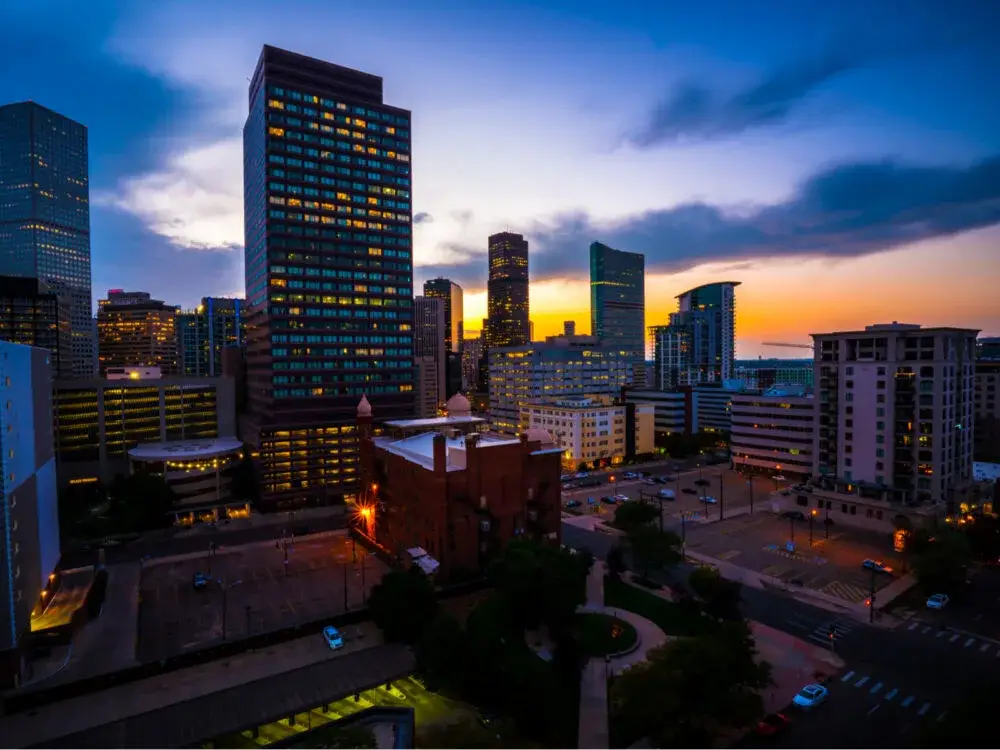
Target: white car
(937,601)
(622,498)
(810,696)
(709,500)
(333,638)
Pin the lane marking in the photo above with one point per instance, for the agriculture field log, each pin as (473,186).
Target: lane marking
(875,688)
(926,629)
(924,709)
(969,642)
(908,701)
(819,639)
(891,694)
(861,682)
(914,626)
(847,676)
(953,638)
(984,647)
(939,634)
(941,716)
(874,709)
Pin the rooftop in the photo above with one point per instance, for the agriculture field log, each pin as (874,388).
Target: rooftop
(419,449)
(896,327)
(74,585)
(185,450)
(432,422)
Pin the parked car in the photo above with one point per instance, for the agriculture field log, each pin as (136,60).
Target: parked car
(622,498)
(709,500)
(798,515)
(659,480)
(666,495)
(810,696)
(877,565)
(608,499)
(772,724)
(573,503)
(333,638)
(689,491)
(199,581)
(938,601)
(630,475)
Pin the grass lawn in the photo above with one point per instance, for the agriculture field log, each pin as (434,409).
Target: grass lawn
(673,618)
(601,634)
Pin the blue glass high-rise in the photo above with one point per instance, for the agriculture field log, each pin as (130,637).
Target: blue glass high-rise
(618,300)
(45,212)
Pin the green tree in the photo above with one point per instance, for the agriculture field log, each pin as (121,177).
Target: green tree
(140,502)
(403,604)
(941,559)
(583,467)
(721,596)
(616,562)
(632,515)
(541,583)
(441,651)
(691,691)
(983,534)
(653,550)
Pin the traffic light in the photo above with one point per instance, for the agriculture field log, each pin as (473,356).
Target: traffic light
(833,633)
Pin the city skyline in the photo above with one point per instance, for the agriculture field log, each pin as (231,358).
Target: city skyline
(756,188)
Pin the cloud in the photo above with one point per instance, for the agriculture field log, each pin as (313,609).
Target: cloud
(422,218)
(195,201)
(845,211)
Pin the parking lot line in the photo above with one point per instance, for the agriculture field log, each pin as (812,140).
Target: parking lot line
(891,694)
(914,626)
(984,647)
(874,708)
(875,688)
(908,701)
(969,642)
(861,682)
(953,638)
(924,709)
(847,676)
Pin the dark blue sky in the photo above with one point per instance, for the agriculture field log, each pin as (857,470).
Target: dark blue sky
(693,132)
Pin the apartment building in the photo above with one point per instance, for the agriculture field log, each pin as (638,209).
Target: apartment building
(773,432)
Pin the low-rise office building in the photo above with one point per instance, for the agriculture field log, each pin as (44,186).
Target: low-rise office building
(98,421)
(773,433)
(593,429)
(672,410)
(444,494)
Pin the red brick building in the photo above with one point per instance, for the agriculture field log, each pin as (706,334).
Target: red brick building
(447,487)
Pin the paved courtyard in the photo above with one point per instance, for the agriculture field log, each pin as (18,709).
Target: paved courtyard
(829,564)
(252,589)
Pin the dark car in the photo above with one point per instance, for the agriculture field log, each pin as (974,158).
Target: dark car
(199,581)
(609,500)
(573,503)
(689,491)
(796,514)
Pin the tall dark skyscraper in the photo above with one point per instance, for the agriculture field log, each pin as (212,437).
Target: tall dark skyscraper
(45,213)
(451,294)
(618,300)
(507,300)
(329,270)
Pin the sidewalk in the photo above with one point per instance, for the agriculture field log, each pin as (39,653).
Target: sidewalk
(794,663)
(223,549)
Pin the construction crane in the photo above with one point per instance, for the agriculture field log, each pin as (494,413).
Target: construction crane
(792,346)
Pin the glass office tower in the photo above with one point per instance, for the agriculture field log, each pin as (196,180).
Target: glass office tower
(507,293)
(329,285)
(45,213)
(618,300)
(451,294)
(203,333)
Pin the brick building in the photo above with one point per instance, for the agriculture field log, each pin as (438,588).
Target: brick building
(447,488)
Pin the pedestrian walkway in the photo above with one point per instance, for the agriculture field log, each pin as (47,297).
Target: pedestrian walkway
(847,591)
(885,692)
(988,647)
(826,631)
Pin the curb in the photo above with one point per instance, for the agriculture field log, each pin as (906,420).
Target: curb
(224,549)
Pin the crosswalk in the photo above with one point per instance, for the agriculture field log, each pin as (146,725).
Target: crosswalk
(821,631)
(848,591)
(887,694)
(980,644)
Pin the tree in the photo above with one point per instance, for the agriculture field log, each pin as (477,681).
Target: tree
(246,480)
(403,604)
(141,501)
(942,557)
(983,534)
(690,691)
(441,651)
(616,562)
(721,596)
(583,467)
(632,515)
(653,550)
(541,583)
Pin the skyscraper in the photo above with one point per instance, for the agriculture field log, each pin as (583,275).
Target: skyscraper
(618,300)
(329,286)
(203,333)
(134,330)
(431,353)
(45,213)
(32,314)
(454,333)
(507,300)
(698,344)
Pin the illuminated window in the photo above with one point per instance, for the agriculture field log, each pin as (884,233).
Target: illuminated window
(280,132)
(275,104)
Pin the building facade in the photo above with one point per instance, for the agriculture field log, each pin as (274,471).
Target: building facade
(761,374)
(454,329)
(430,345)
(618,301)
(45,212)
(34,315)
(987,411)
(698,344)
(98,421)
(712,408)
(896,411)
(592,429)
(472,354)
(672,410)
(29,514)
(134,330)
(205,332)
(507,297)
(329,270)
(559,366)
(450,498)
(774,432)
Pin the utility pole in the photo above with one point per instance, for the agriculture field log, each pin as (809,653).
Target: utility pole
(750,483)
(871,599)
(722,495)
(812,514)
(826,523)
(345,586)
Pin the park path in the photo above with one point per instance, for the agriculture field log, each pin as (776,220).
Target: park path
(593,728)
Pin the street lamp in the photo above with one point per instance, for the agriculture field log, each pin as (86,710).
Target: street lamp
(791,531)
(812,515)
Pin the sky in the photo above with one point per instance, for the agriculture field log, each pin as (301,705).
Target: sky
(841,160)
